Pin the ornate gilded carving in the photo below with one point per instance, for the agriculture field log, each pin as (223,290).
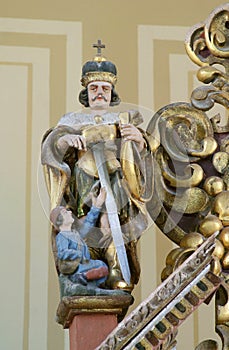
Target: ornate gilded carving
(191,200)
(154,322)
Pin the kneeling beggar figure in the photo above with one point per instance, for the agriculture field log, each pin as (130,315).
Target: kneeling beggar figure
(76,267)
(99,148)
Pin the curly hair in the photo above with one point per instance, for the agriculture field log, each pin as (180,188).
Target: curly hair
(83,98)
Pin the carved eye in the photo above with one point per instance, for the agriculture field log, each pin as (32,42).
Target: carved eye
(93,88)
(106,88)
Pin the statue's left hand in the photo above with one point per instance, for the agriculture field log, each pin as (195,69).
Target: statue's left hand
(131,133)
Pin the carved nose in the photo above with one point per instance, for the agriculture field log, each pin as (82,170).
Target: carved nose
(100,90)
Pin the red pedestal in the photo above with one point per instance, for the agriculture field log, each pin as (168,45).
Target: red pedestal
(91,318)
(86,332)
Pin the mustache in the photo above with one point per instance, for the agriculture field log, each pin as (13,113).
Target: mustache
(99,96)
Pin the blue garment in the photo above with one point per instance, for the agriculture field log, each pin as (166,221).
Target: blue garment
(71,246)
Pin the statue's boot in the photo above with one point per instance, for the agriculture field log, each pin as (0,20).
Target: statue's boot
(115,279)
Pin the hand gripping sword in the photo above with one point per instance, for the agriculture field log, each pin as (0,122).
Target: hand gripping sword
(111,207)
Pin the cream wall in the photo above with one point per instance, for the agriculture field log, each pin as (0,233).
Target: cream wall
(42,47)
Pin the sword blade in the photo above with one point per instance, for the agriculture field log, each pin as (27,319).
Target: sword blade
(111,207)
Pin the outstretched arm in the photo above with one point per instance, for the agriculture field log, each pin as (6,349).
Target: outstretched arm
(93,214)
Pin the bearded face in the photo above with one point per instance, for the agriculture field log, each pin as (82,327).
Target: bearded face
(99,95)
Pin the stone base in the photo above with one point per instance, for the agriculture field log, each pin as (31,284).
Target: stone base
(91,318)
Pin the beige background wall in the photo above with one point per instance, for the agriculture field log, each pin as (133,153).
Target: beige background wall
(42,47)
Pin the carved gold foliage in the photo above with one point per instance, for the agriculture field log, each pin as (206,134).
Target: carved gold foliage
(190,201)
(221,207)
(204,97)
(221,161)
(186,133)
(207,43)
(193,173)
(217,31)
(186,136)
(192,161)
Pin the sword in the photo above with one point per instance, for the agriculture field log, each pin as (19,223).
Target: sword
(98,152)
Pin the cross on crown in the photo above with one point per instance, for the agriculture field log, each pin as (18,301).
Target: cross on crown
(99,47)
